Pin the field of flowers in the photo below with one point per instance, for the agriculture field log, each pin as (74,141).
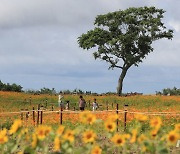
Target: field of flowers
(91,135)
(16,102)
(152,125)
(12,101)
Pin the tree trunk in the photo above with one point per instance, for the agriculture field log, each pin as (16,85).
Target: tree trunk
(120,81)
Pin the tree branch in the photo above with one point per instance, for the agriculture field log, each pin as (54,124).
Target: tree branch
(111,61)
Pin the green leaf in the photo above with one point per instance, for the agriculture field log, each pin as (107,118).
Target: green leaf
(65,145)
(163,151)
(29,150)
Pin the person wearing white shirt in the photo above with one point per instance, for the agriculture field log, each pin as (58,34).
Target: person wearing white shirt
(60,100)
(95,105)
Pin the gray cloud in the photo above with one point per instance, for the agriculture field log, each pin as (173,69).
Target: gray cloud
(38,46)
(18,13)
(15,13)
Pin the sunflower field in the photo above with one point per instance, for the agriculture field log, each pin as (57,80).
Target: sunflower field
(152,125)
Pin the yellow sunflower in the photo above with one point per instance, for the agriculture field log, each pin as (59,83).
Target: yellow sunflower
(89,136)
(83,116)
(56,144)
(3,136)
(127,136)
(142,138)
(96,150)
(42,131)
(87,117)
(134,136)
(154,132)
(156,122)
(110,126)
(91,118)
(60,130)
(34,141)
(172,137)
(16,125)
(118,140)
(69,135)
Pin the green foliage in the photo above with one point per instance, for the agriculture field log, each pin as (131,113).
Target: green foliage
(8,87)
(168,91)
(41,91)
(6,124)
(125,35)
(47,91)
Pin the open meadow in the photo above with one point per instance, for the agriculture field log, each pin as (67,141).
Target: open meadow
(149,124)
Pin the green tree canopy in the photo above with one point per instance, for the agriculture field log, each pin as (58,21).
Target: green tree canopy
(124,38)
(10,87)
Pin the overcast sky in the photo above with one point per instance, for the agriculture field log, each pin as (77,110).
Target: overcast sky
(38,47)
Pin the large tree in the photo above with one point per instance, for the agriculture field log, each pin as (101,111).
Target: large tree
(124,38)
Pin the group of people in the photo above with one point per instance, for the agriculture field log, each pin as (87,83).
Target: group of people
(61,102)
(82,103)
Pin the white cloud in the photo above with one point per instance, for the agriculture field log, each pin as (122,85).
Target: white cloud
(38,12)
(20,13)
(166,53)
(39,40)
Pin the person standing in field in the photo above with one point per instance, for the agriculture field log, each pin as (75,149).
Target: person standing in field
(82,103)
(67,105)
(60,100)
(95,105)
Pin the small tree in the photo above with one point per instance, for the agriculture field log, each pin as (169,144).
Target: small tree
(124,38)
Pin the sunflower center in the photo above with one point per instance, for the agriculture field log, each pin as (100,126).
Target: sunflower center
(41,132)
(1,140)
(156,123)
(96,151)
(89,119)
(109,126)
(119,141)
(69,134)
(172,138)
(89,136)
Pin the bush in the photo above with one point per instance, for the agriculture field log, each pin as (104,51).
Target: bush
(172,92)
(8,87)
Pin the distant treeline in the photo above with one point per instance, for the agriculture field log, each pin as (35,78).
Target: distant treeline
(53,91)
(10,87)
(41,91)
(18,88)
(169,92)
